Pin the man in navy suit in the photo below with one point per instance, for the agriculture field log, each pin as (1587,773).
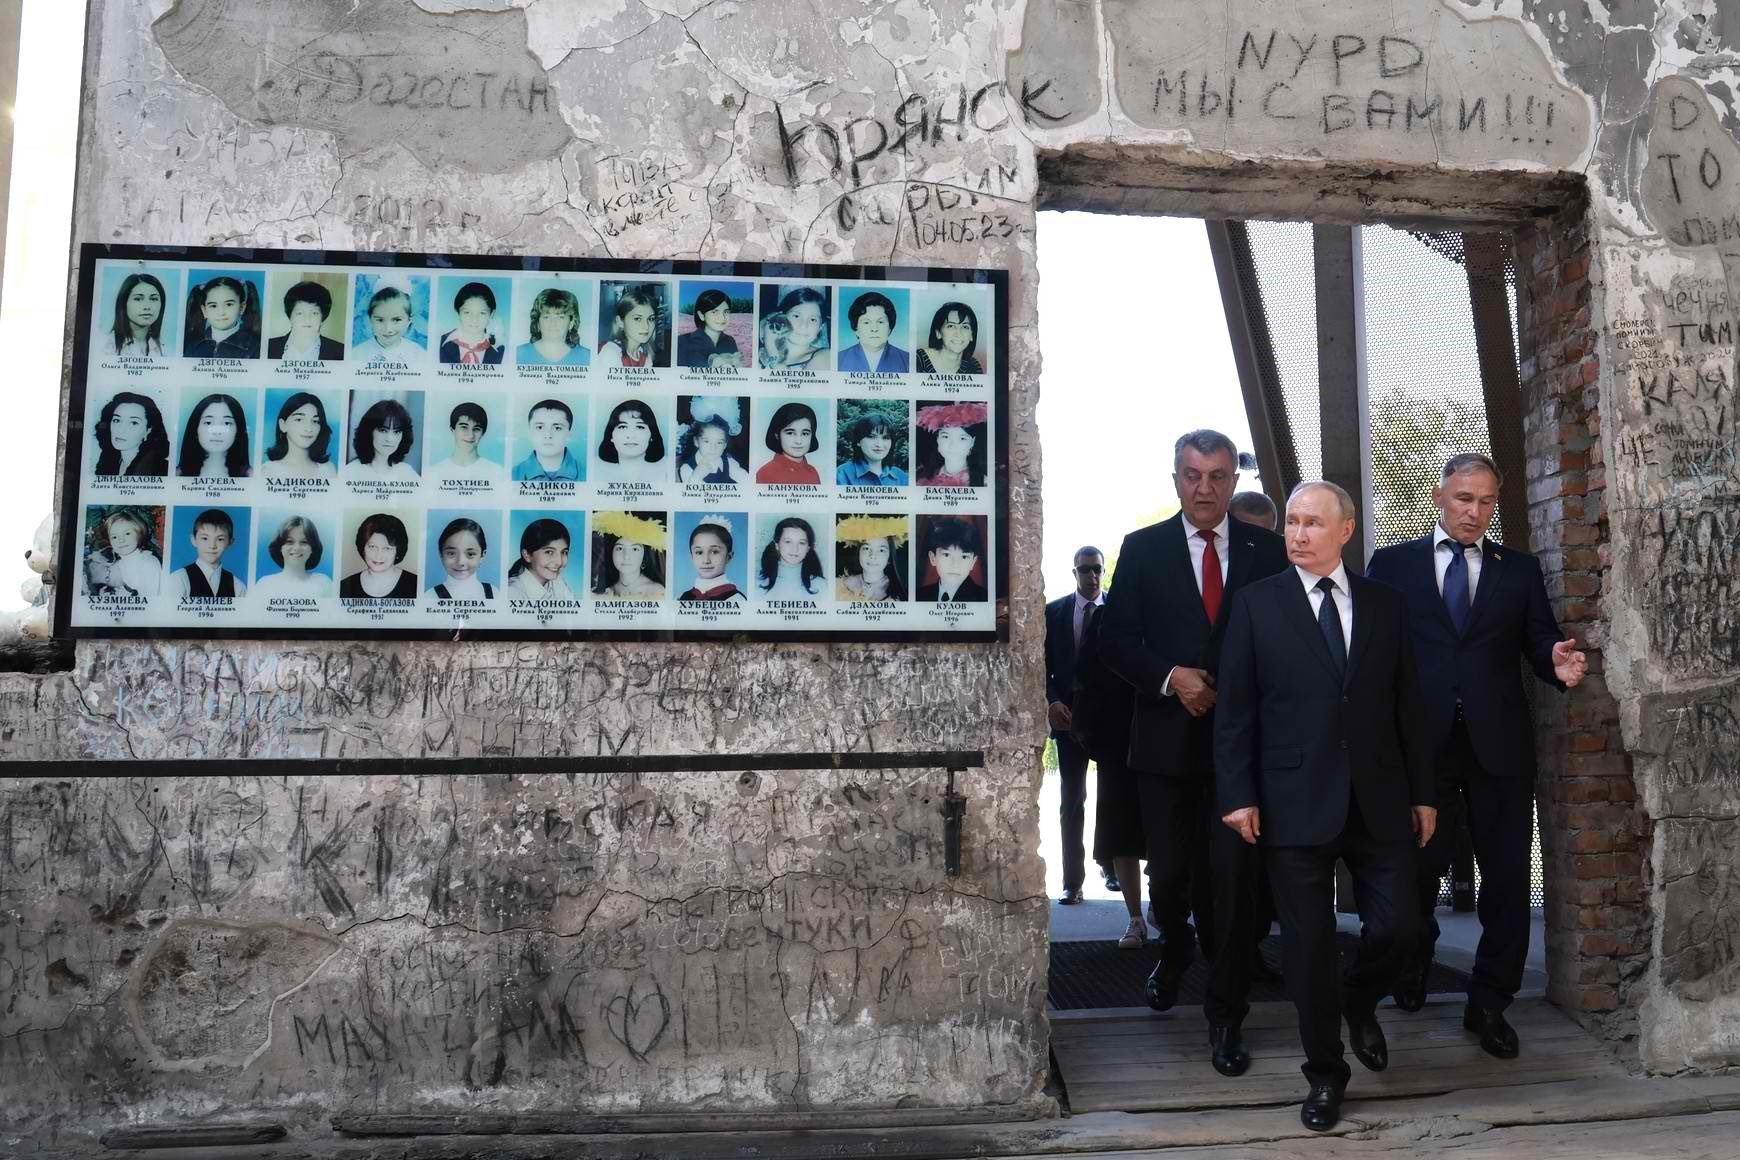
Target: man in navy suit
(1475,611)
(1163,625)
(1320,754)
(1065,618)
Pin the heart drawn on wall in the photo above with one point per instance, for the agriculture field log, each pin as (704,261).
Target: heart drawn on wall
(638,1019)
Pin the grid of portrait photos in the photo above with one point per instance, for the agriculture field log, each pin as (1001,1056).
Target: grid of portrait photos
(263,444)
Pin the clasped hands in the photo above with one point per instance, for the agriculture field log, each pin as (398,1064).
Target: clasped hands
(1569,665)
(1248,823)
(1194,689)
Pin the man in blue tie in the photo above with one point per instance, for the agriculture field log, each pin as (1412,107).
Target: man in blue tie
(1476,610)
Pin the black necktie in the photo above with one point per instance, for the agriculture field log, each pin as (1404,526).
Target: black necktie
(1329,620)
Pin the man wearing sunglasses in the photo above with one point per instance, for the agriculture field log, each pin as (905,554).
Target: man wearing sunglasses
(1065,618)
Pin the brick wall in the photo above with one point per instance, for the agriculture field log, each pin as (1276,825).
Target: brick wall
(1593,834)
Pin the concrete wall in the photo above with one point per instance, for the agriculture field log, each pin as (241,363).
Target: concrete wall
(175,948)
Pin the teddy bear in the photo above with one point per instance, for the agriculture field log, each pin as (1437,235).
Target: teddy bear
(32,622)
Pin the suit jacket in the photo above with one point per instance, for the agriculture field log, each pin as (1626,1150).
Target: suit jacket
(1155,621)
(1101,703)
(331,350)
(1291,740)
(970,591)
(1510,619)
(1060,650)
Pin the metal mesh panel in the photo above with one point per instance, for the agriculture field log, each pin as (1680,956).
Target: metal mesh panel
(1287,278)
(1422,374)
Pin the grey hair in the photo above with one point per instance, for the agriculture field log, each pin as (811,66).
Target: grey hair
(1204,442)
(1471,461)
(1348,511)
(1085,550)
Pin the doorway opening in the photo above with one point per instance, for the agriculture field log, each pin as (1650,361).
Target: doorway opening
(1346,329)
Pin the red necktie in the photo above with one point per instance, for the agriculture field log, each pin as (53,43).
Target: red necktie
(1211,582)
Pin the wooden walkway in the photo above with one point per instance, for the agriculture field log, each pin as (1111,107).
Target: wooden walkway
(1136,1060)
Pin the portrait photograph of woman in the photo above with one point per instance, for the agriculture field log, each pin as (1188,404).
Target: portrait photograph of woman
(463,554)
(309,310)
(132,441)
(791,443)
(222,318)
(791,558)
(383,438)
(952,341)
(794,327)
(301,434)
(389,319)
(376,569)
(628,555)
(214,436)
(540,572)
(712,441)
(870,558)
(634,324)
(292,558)
(872,442)
(953,444)
(552,328)
(711,569)
(144,315)
(123,553)
(631,441)
(716,325)
(877,318)
(472,310)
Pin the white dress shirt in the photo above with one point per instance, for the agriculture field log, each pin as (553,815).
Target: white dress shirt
(1443,545)
(1081,607)
(1343,600)
(1198,548)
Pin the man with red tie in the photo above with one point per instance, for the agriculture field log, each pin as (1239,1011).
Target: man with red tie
(1163,624)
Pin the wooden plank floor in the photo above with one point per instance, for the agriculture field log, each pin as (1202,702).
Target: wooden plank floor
(1133,1059)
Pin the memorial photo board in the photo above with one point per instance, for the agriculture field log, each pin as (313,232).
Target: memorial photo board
(326,445)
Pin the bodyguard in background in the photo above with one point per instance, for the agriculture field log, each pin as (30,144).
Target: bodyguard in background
(1476,610)
(1320,754)
(1163,627)
(1065,619)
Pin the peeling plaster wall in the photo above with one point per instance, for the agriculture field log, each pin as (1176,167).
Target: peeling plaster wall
(184,948)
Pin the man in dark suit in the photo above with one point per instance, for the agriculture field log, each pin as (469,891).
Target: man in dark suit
(1476,610)
(1163,626)
(1320,754)
(1065,618)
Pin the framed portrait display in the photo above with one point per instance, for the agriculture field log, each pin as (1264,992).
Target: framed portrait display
(304,444)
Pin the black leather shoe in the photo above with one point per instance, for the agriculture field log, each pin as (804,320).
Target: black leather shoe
(1497,1036)
(1410,990)
(1070,896)
(1162,986)
(1367,1040)
(1112,884)
(1321,1110)
(1230,1057)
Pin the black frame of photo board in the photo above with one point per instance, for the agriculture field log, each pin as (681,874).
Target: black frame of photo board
(71,505)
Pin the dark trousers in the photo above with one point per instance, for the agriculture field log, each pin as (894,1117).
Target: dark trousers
(1303,879)
(1499,813)
(1072,767)
(1199,868)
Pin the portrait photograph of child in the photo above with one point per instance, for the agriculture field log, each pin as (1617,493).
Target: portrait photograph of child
(870,558)
(462,560)
(794,328)
(470,448)
(214,434)
(300,434)
(790,446)
(208,553)
(546,565)
(389,319)
(628,555)
(712,439)
(710,566)
(953,568)
(471,317)
(294,556)
(222,315)
(954,444)
(790,554)
(716,325)
(549,437)
(123,551)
